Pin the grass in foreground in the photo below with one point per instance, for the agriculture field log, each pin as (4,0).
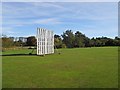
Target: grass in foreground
(73,68)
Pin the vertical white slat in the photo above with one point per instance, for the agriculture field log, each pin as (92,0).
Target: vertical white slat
(40,41)
(37,40)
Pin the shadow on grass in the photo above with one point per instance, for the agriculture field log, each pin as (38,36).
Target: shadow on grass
(19,55)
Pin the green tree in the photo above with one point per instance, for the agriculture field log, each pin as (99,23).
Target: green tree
(7,42)
(31,41)
(117,41)
(81,40)
(68,38)
(18,43)
(57,41)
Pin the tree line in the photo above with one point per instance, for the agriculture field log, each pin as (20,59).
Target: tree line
(70,40)
(67,40)
(7,42)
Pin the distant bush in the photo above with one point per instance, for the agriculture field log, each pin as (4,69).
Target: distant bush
(64,46)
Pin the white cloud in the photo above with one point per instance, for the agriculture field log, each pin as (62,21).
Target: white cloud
(92,11)
(30,10)
(18,23)
(7,30)
(10,31)
(47,21)
(60,0)
(59,10)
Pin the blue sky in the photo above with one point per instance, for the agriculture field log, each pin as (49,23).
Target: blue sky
(94,19)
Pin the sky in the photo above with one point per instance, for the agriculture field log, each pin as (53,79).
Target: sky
(60,0)
(94,19)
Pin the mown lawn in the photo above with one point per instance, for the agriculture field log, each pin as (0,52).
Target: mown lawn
(73,68)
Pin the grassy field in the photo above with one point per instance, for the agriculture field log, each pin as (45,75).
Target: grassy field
(73,68)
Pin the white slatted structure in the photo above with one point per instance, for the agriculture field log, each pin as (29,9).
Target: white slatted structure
(45,41)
